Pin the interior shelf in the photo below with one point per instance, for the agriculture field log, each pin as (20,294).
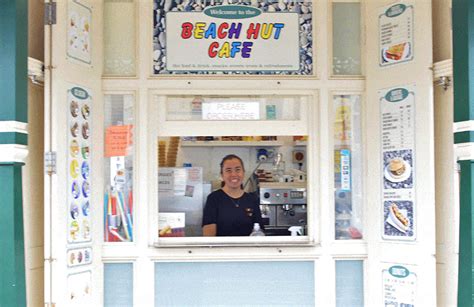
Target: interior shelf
(231,143)
(300,143)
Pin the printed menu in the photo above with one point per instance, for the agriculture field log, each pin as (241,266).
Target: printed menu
(399,286)
(79,169)
(79,32)
(396,34)
(397,129)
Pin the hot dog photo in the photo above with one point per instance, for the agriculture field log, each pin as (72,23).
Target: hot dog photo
(398,218)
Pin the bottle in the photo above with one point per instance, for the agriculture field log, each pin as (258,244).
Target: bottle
(257,232)
(296,231)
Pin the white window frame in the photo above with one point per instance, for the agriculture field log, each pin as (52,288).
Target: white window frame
(164,128)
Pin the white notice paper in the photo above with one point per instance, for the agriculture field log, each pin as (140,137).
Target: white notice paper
(231,110)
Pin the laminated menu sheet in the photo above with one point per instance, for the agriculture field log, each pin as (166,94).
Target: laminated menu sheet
(396,34)
(397,129)
(79,169)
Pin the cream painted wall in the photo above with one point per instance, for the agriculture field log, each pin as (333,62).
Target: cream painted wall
(33,169)
(447,212)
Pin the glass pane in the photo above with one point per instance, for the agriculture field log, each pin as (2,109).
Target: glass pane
(346,38)
(233,108)
(348,166)
(349,283)
(118,284)
(282,283)
(119,38)
(118,168)
(273,177)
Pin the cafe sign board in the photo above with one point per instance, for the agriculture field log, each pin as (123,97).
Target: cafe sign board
(232,38)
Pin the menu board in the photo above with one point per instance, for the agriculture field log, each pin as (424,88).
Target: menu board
(396,34)
(399,286)
(397,129)
(79,289)
(78,32)
(79,170)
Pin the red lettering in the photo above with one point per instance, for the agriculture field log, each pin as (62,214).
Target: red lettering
(186,30)
(212,49)
(253,30)
(221,33)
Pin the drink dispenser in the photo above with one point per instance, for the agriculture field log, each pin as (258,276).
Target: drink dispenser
(283,205)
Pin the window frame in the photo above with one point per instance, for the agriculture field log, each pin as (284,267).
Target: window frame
(308,112)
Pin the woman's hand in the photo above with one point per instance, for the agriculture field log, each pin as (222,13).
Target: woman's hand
(209,230)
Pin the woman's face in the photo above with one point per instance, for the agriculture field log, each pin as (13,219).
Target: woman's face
(232,173)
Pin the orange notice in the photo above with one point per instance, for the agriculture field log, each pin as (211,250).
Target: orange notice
(117,140)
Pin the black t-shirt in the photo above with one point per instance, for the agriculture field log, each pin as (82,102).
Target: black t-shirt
(233,216)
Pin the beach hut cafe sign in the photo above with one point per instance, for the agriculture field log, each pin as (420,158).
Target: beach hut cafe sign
(232,38)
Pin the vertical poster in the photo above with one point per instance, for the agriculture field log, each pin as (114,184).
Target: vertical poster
(397,129)
(79,171)
(399,285)
(78,32)
(79,289)
(343,118)
(271,37)
(346,165)
(396,34)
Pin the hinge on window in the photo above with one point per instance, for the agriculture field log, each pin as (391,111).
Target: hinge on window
(50,162)
(50,13)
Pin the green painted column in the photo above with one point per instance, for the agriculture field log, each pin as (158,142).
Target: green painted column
(463,75)
(13,150)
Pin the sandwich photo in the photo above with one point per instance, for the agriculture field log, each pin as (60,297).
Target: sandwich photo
(395,52)
(397,167)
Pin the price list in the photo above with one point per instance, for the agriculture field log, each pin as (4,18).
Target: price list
(399,286)
(396,34)
(397,134)
(397,125)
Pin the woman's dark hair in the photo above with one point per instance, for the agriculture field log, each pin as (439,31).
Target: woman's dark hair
(230,157)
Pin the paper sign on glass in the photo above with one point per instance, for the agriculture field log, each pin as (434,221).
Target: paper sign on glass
(118,140)
(230,110)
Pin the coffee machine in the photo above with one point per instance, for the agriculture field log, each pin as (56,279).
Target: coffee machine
(283,204)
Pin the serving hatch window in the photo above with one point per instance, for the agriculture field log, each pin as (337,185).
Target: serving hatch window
(235,160)
(271,185)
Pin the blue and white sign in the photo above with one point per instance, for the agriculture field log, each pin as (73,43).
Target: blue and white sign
(399,286)
(396,34)
(346,170)
(397,134)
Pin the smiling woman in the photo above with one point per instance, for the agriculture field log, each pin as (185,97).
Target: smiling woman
(230,211)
